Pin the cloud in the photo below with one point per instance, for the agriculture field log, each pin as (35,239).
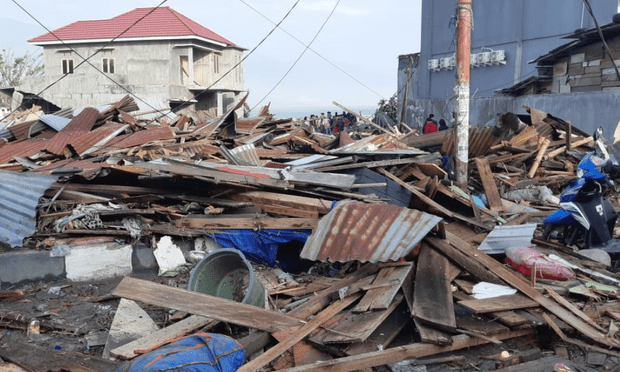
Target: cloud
(327,6)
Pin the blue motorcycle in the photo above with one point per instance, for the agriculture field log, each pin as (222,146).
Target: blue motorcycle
(586,219)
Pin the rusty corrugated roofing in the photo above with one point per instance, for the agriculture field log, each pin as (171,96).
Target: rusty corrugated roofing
(22,149)
(245,125)
(145,136)
(85,141)
(480,141)
(367,232)
(21,131)
(80,124)
(19,197)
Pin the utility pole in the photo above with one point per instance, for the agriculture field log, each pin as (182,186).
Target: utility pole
(461,111)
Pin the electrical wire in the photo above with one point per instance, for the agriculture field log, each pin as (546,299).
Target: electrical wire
(315,52)
(244,58)
(301,55)
(86,60)
(600,33)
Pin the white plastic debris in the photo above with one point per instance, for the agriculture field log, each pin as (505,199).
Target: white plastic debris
(489,290)
(169,257)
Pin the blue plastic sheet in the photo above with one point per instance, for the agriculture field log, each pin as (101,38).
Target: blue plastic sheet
(260,246)
(202,352)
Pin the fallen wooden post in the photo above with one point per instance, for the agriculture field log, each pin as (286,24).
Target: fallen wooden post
(539,157)
(397,354)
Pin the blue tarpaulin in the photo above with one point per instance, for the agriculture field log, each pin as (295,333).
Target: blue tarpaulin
(202,352)
(260,246)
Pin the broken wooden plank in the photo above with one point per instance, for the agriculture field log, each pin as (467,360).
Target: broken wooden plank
(432,296)
(539,156)
(564,302)
(324,297)
(355,327)
(488,183)
(465,320)
(397,354)
(501,303)
(380,298)
(203,304)
(298,335)
(469,264)
(286,200)
(215,223)
(368,164)
(431,202)
(384,334)
(517,282)
(432,170)
(152,341)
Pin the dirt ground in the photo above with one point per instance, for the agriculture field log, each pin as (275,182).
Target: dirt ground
(77,316)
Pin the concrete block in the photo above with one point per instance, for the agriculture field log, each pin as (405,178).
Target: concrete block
(98,261)
(23,266)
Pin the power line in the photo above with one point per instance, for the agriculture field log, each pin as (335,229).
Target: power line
(301,55)
(314,51)
(600,33)
(86,60)
(244,58)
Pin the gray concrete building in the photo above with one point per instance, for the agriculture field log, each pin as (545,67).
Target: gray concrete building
(165,59)
(507,35)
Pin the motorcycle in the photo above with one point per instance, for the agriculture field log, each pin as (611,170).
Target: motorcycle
(586,218)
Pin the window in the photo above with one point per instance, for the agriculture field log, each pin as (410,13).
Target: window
(67,66)
(108,65)
(216,63)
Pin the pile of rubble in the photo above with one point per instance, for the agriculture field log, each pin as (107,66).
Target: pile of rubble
(377,238)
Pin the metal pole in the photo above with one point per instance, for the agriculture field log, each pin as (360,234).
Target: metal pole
(461,111)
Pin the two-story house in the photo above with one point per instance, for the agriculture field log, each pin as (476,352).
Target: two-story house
(158,54)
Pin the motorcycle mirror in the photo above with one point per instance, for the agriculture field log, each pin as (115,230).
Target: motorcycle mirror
(598,134)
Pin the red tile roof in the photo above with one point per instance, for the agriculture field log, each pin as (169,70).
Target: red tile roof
(162,22)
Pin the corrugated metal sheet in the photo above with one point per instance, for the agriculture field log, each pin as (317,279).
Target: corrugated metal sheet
(506,236)
(21,148)
(367,232)
(21,130)
(70,164)
(56,122)
(146,136)
(19,197)
(480,141)
(85,141)
(80,124)
(246,155)
(245,126)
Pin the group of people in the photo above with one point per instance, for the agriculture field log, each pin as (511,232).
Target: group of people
(431,126)
(330,124)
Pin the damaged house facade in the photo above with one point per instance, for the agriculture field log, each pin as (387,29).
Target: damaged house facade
(507,37)
(161,65)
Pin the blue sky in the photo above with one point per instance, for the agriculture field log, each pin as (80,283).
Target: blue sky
(362,37)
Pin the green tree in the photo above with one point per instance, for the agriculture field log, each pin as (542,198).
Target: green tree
(389,107)
(13,69)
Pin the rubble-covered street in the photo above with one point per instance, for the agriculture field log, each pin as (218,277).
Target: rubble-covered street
(281,248)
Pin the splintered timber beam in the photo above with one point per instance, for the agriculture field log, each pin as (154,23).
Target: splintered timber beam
(205,305)
(397,354)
